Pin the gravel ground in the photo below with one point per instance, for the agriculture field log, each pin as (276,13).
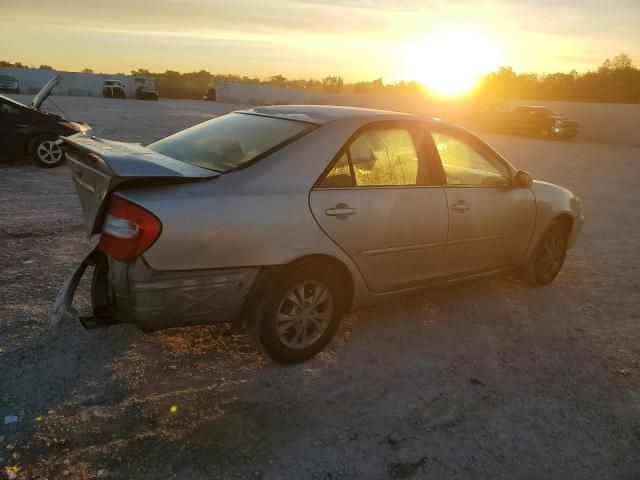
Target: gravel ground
(484,380)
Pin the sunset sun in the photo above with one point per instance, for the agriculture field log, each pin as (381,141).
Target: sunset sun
(449,62)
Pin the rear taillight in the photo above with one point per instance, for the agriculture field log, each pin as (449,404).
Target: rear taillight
(128,230)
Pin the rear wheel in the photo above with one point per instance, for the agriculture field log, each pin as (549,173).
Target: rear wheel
(546,262)
(45,152)
(298,313)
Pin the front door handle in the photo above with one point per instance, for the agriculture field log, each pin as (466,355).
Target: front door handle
(341,211)
(461,206)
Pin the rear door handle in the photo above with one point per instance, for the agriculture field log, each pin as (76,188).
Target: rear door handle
(340,211)
(461,206)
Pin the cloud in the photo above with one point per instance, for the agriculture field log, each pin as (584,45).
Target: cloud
(355,38)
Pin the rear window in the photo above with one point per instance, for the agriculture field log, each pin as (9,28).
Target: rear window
(229,141)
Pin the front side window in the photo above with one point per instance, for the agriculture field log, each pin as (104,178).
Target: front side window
(229,141)
(465,164)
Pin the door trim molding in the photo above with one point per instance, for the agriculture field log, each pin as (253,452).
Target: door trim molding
(407,248)
(481,239)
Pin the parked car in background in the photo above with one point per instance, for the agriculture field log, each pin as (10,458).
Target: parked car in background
(542,122)
(146,93)
(113,89)
(211,93)
(537,121)
(33,131)
(9,84)
(288,217)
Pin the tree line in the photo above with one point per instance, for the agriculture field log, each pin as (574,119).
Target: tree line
(617,80)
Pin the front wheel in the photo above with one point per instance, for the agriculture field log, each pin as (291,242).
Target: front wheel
(547,260)
(45,152)
(298,313)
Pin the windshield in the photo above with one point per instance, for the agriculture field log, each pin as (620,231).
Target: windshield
(229,141)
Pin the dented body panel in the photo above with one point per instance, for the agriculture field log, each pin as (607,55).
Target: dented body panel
(154,299)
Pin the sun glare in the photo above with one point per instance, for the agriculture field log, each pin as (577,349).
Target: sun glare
(450,62)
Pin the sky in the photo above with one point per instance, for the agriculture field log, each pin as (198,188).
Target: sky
(358,40)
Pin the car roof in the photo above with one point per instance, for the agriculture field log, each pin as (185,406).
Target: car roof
(321,114)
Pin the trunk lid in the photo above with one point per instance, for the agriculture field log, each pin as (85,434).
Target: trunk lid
(100,167)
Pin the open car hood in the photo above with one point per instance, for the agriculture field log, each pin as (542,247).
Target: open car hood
(45,91)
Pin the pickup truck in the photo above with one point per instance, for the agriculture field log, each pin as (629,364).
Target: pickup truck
(537,121)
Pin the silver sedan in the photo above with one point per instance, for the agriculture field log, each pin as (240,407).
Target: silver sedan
(288,217)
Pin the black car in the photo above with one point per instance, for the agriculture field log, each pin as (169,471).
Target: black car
(146,93)
(543,122)
(30,130)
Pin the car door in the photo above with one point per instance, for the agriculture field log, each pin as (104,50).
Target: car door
(378,203)
(490,221)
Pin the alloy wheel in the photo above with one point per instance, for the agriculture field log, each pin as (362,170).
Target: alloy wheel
(304,314)
(49,152)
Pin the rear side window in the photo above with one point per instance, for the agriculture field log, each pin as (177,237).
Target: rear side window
(229,141)
(340,174)
(378,157)
(384,157)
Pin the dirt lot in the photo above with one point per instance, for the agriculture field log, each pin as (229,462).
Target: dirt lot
(484,380)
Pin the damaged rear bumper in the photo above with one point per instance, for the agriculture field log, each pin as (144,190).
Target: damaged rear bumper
(151,299)
(63,309)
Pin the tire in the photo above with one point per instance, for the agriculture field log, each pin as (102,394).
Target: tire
(45,152)
(290,329)
(545,264)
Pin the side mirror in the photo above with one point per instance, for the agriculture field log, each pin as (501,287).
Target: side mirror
(522,179)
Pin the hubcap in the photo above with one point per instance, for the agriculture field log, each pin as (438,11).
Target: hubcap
(304,314)
(49,152)
(551,255)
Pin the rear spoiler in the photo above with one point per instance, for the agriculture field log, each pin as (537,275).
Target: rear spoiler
(100,167)
(127,160)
